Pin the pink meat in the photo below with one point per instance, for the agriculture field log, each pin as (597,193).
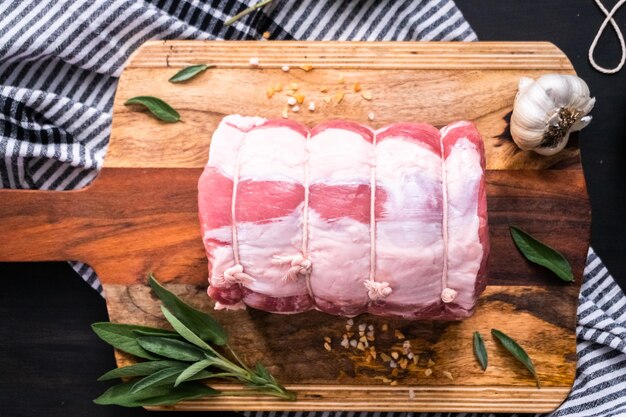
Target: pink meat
(307,234)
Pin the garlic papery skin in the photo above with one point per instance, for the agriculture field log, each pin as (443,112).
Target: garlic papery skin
(547,110)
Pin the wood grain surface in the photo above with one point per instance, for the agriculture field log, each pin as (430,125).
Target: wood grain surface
(140,215)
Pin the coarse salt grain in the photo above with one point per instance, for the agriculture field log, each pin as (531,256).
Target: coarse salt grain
(295,109)
(292,101)
(367,95)
(254,62)
(370,327)
(350,322)
(285,68)
(428,372)
(285,113)
(371,115)
(362,327)
(345,343)
(353,343)
(311,106)
(393,364)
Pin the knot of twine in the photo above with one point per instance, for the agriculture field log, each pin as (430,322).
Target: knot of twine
(299,266)
(448,295)
(377,290)
(234,275)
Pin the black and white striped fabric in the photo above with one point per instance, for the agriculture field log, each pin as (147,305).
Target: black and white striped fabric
(59,63)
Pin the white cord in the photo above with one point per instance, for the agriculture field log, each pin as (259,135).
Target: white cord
(618,32)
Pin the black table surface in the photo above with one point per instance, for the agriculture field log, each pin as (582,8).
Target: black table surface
(50,359)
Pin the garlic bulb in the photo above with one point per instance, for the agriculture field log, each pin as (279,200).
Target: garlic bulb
(547,110)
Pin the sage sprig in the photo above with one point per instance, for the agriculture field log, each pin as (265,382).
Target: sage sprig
(480,351)
(541,254)
(180,362)
(517,351)
(247,11)
(189,72)
(159,109)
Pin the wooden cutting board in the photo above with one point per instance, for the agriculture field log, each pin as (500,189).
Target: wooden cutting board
(140,215)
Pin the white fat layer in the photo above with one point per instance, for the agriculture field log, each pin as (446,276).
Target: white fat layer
(226,140)
(339,251)
(221,259)
(339,156)
(259,243)
(273,154)
(409,241)
(465,251)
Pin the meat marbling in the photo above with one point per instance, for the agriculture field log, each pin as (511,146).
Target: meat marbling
(291,222)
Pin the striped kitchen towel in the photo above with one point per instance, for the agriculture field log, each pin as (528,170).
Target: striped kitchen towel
(59,63)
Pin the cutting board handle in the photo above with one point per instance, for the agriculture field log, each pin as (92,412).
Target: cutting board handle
(40,225)
(128,222)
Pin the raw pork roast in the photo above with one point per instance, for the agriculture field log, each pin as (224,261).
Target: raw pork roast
(291,222)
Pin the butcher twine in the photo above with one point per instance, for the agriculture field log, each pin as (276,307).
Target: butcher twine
(618,32)
(235,274)
(300,263)
(447,294)
(375,290)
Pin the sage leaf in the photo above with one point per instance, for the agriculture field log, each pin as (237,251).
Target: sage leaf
(123,337)
(480,351)
(188,73)
(141,369)
(263,372)
(159,109)
(184,331)
(157,333)
(165,376)
(156,395)
(201,324)
(193,370)
(171,348)
(517,351)
(541,254)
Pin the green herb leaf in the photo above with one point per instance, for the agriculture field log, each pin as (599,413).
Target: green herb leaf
(156,395)
(262,372)
(479,350)
(160,109)
(517,351)
(188,73)
(157,333)
(123,337)
(542,254)
(165,376)
(193,370)
(184,331)
(171,348)
(200,323)
(140,369)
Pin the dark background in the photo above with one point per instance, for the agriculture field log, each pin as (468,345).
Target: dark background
(50,359)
